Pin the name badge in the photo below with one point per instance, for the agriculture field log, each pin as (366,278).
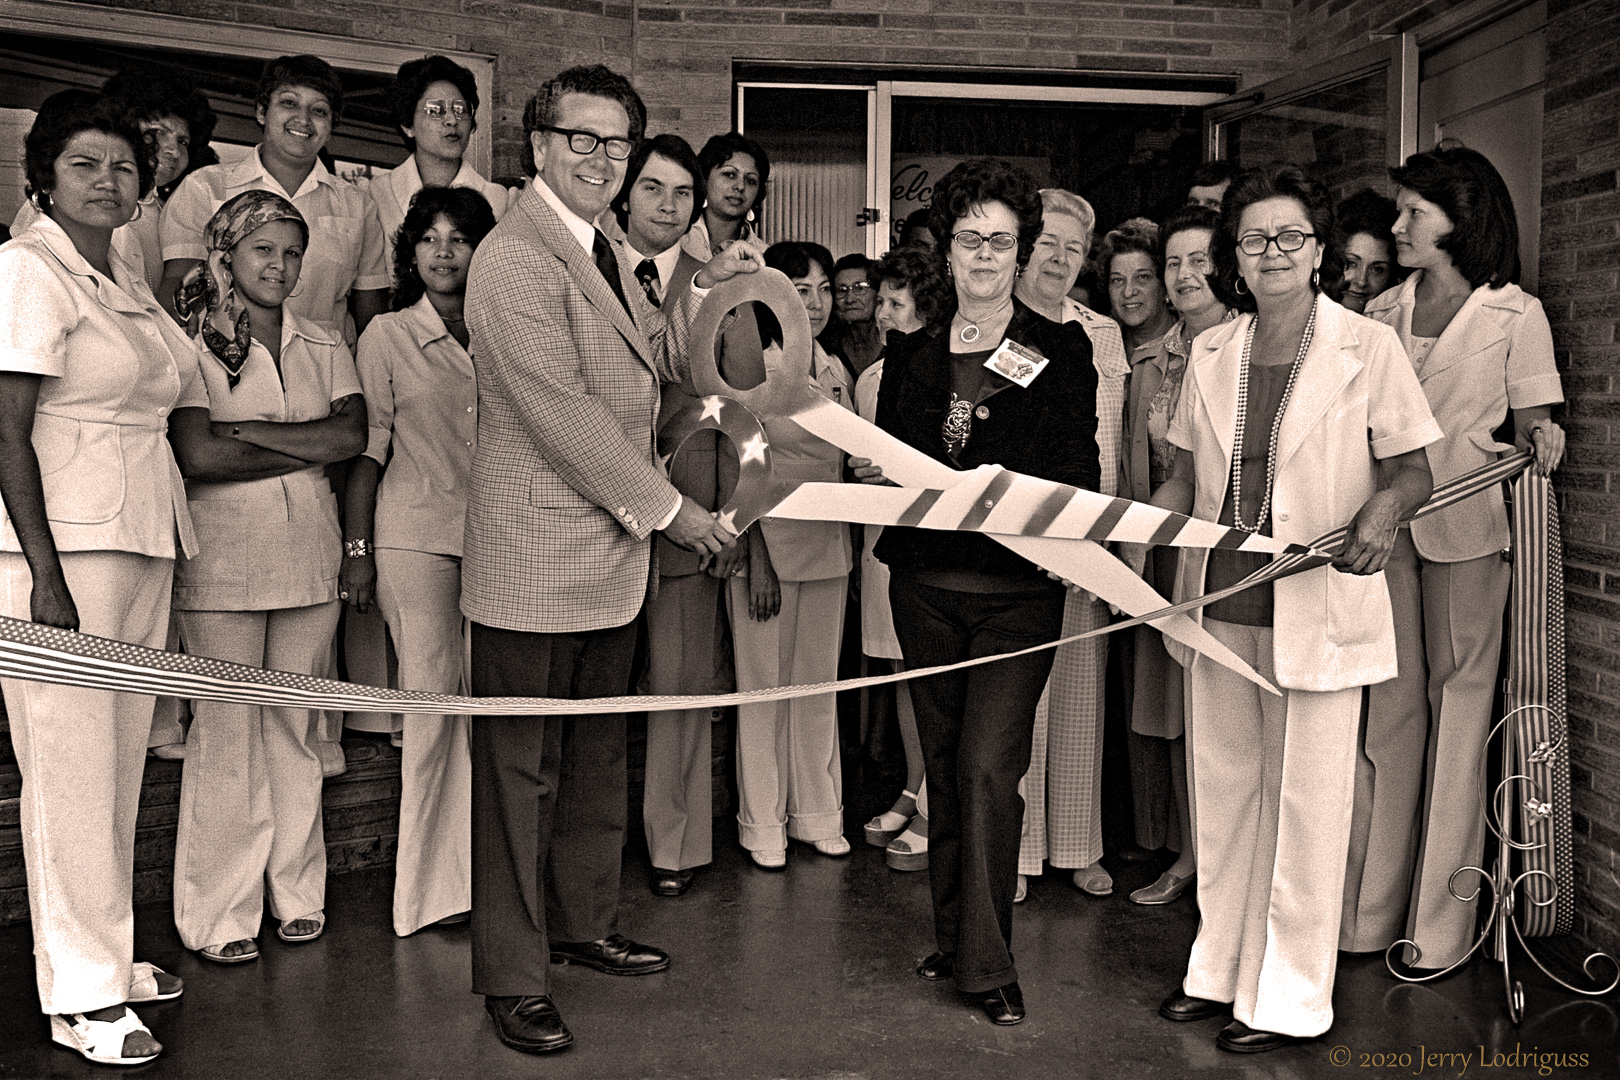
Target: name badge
(1016,362)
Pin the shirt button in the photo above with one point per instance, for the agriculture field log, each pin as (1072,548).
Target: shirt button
(1282,517)
(982,412)
(469,408)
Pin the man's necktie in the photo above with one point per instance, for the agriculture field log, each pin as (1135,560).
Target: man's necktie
(647,274)
(608,264)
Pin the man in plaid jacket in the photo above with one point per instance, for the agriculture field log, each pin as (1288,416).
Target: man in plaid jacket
(565,494)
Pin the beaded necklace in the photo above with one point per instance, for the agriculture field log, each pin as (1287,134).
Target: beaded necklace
(1276,424)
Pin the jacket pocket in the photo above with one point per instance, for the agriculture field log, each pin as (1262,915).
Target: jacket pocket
(81,466)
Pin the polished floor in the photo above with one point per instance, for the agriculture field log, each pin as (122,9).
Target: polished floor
(805,974)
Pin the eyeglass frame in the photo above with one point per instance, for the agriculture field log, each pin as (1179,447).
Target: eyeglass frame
(845,290)
(439,107)
(1243,241)
(603,140)
(956,238)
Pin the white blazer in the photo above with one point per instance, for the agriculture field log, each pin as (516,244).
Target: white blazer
(1356,399)
(1495,354)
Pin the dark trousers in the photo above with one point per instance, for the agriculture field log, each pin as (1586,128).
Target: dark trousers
(548,802)
(976,726)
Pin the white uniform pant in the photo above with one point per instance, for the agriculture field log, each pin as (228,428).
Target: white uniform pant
(1274,783)
(420,596)
(789,775)
(250,794)
(81,754)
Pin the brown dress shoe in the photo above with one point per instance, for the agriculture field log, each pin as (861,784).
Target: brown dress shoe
(671,882)
(616,955)
(1184,1008)
(1239,1038)
(530,1024)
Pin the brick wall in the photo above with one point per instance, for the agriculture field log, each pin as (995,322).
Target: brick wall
(1580,286)
(684,48)
(679,51)
(1323,28)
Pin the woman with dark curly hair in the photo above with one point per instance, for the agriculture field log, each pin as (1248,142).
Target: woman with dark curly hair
(1483,352)
(736,170)
(959,595)
(911,294)
(1131,260)
(1295,418)
(435,106)
(94,518)
(299,102)
(1362,251)
(176,122)
(404,509)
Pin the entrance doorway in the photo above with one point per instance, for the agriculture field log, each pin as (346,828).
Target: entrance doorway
(849,160)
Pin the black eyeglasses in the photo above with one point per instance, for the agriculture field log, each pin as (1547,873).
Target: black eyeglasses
(584,142)
(968,240)
(1287,240)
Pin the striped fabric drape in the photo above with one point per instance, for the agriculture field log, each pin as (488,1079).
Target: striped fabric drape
(1538,746)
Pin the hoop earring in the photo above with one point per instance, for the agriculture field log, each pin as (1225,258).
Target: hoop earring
(1241,287)
(137,215)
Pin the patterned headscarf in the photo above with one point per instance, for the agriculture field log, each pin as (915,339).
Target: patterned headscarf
(207,294)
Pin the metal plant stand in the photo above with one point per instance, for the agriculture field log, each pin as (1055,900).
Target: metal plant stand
(1505,887)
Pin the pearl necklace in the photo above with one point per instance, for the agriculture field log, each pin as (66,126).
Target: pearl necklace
(1276,425)
(970,332)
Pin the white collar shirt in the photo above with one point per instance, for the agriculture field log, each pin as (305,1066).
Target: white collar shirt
(113,367)
(346,244)
(422,409)
(664,261)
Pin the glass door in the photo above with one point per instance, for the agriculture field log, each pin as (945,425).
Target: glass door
(1346,120)
(820,140)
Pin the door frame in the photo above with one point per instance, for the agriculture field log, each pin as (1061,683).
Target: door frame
(1396,56)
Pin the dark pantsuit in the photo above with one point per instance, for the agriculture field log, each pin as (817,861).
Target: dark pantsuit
(548,802)
(976,727)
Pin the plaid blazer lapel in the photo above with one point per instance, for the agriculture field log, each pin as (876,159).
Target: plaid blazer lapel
(556,238)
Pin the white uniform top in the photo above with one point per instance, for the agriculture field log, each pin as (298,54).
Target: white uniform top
(393,193)
(270,543)
(346,246)
(115,366)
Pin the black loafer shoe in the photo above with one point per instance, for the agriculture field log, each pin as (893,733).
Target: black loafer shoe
(671,882)
(530,1024)
(1004,1005)
(1184,1008)
(937,967)
(616,955)
(1239,1038)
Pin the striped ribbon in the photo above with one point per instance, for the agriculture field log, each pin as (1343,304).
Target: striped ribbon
(1538,744)
(47,654)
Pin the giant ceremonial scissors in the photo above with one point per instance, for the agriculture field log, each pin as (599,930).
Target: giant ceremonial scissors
(1055,526)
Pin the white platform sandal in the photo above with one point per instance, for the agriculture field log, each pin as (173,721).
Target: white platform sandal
(100,1041)
(148,982)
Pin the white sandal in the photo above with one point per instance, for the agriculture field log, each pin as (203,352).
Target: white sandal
(100,1041)
(316,917)
(144,985)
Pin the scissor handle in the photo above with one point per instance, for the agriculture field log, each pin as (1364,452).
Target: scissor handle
(786,388)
